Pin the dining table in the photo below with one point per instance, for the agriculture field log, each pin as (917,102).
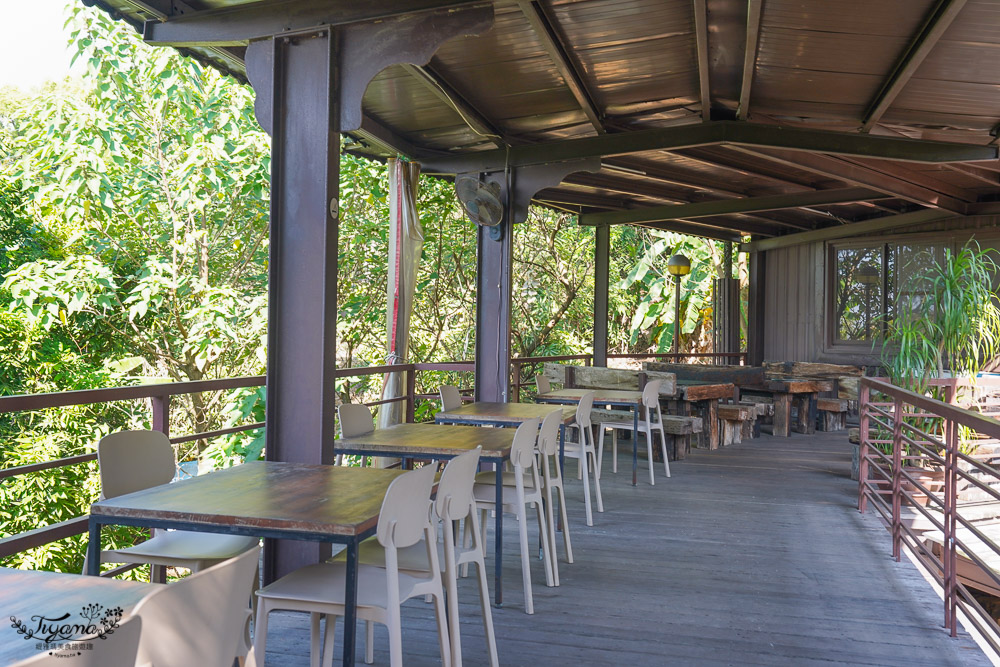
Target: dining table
(31,601)
(438,442)
(629,399)
(267,499)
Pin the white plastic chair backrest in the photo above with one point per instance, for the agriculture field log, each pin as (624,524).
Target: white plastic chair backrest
(405,510)
(200,619)
(548,436)
(542,384)
(454,492)
(450,398)
(134,460)
(584,408)
(117,648)
(522,451)
(651,394)
(355,419)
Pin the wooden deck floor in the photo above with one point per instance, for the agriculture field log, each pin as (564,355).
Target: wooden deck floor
(751,555)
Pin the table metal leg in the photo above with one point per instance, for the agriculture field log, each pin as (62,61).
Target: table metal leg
(498,527)
(350,603)
(635,445)
(94,549)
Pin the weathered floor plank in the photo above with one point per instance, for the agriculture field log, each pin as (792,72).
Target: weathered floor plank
(753,555)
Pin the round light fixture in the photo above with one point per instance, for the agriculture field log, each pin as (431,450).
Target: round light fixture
(679,265)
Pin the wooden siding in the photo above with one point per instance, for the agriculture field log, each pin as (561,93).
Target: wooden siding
(795,305)
(751,554)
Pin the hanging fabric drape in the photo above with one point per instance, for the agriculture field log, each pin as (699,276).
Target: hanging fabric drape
(406,239)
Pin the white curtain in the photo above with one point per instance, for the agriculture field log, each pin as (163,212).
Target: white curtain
(406,239)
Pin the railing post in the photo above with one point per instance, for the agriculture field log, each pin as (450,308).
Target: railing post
(411,393)
(897,477)
(864,396)
(161,413)
(950,528)
(516,368)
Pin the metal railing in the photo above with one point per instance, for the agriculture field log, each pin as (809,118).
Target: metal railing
(160,396)
(917,467)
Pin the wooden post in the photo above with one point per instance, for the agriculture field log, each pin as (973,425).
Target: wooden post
(755,309)
(602,251)
(864,396)
(411,393)
(161,413)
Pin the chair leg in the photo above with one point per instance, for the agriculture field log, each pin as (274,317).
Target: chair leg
(484,598)
(663,444)
(369,642)
(649,453)
(565,524)
(329,639)
(442,623)
(597,488)
(600,449)
(614,450)
(451,590)
(543,533)
(394,623)
(551,533)
(260,632)
(315,638)
(522,528)
(582,467)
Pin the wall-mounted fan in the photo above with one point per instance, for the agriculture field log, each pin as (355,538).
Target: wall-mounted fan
(481,201)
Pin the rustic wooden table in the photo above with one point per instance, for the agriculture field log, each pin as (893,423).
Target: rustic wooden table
(499,414)
(615,398)
(262,499)
(803,393)
(703,398)
(30,595)
(433,441)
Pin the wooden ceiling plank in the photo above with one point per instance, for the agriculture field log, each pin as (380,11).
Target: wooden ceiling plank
(545,30)
(701,44)
(729,206)
(859,175)
(754,12)
(936,24)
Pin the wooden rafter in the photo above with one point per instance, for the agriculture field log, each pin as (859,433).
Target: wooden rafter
(916,51)
(546,32)
(754,12)
(447,93)
(701,43)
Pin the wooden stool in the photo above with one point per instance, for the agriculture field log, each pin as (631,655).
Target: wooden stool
(732,419)
(832,414)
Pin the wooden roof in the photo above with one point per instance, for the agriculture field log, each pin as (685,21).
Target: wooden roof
(811,113)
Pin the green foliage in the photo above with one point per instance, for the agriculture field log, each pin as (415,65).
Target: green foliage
(954,323)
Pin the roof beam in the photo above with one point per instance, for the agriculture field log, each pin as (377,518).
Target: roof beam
(717,132)
(237,25)
(935,25)
(987,176)
(855,229)
(690,229)
(701,44)
(750,56)
(545,31)
(730,206)
(862,176)
(452,98)
(375,133)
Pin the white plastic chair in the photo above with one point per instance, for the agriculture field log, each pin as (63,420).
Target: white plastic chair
(520,487)
(117,648)
(355,419)
(542,384)
(651,408)
(548,450)
(450,398)
(135,460)
(201,619)
(584,451)
(452,505)
(319,589)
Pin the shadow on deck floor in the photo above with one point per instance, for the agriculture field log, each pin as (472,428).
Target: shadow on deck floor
(750,555)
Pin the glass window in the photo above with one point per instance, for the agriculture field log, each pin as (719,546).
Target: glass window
(858,299)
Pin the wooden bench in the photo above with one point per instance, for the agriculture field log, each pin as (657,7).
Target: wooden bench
(832,414)
(762,410)
(734,419)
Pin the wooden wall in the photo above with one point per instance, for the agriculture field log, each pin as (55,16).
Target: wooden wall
(795,304)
